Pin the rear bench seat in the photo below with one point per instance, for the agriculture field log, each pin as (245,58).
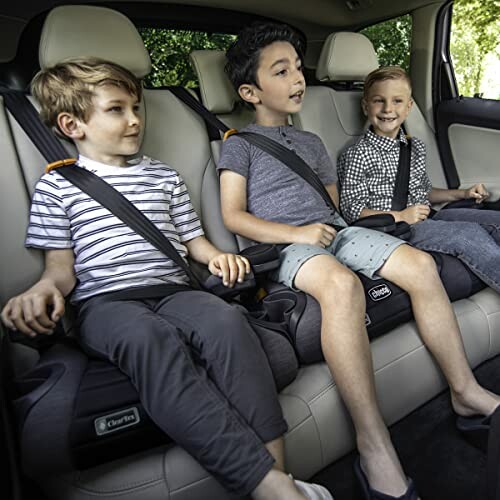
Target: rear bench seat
(320,430)
(406,376)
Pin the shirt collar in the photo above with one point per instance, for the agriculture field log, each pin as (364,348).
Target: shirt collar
(385,143)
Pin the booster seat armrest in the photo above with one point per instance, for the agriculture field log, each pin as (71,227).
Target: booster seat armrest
(385,223)
(42,341)
(214,285)
(263,257)
(375,221)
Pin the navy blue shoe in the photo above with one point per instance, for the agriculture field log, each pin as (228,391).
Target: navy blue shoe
(370,494)
(476,429)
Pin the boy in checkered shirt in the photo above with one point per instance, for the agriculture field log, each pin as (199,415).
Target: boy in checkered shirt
(367,174)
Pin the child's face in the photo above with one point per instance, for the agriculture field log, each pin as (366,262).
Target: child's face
(387,106)
(281,83)
(112,131)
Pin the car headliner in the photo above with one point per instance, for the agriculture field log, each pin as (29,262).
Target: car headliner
(331,14)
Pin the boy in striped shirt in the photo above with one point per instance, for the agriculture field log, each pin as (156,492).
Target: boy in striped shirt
(197,365)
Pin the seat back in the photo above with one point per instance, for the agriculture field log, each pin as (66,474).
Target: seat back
(333,111)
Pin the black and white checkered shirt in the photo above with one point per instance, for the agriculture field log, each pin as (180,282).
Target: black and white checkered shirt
(367,174)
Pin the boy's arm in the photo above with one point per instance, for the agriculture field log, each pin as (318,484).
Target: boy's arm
(411,215)
(478,192)
(334,194)
(28,312)
(228,266)
(239,221)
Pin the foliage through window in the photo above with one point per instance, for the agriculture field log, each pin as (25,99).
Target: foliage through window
(475,47)
(169,51)
(392,41)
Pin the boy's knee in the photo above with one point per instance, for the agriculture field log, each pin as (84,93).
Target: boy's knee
(422,262)
(343,284)
(422,268)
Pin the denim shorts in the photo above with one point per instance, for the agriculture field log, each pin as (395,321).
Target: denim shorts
(360,249)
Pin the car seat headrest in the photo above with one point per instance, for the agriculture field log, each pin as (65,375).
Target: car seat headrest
(346,57)
(83,30)
(217,93)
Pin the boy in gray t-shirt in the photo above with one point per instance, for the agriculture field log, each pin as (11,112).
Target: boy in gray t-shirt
(264,201)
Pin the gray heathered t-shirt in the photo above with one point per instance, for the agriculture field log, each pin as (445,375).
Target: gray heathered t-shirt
(274,192)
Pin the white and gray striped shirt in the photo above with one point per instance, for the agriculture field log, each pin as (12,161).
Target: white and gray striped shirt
(109,256)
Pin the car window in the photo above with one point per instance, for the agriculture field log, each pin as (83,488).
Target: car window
(169,50)
(475,47)
(392,41)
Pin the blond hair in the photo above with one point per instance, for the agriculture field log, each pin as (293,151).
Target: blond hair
(69,86)
(385,73)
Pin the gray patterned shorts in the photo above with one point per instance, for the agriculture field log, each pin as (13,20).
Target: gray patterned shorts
(358,248)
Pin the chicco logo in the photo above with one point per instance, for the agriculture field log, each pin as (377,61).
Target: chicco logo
(116,421)
(379,292)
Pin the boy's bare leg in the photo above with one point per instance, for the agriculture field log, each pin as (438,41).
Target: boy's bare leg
(276,484)
(347,351)
(438,327)
(277,449)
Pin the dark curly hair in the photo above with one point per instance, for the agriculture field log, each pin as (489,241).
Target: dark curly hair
(243,55)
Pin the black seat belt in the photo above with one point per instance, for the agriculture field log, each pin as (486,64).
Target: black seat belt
(401,186)
(275,149)
(380,222)
(26,115)
(123,209)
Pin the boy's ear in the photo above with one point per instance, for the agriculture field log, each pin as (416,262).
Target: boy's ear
(70,126)
(364,106)
(248,94)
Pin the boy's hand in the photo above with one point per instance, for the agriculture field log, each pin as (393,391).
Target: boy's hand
(320,235)
(229,267)
(478,192)
(414,214)
(28,312)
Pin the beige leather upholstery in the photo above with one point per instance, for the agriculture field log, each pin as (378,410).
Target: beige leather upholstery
(217,93)
(84,30)
(346,56)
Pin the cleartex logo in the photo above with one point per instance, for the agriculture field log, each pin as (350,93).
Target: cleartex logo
(379,292)
(116,421)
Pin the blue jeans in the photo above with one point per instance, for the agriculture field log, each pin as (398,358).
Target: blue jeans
(471,235)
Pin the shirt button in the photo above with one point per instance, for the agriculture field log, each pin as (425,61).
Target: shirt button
(289,141)
(283,134)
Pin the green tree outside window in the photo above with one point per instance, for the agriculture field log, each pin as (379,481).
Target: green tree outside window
(475,47)
(392,41)
(169,51)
